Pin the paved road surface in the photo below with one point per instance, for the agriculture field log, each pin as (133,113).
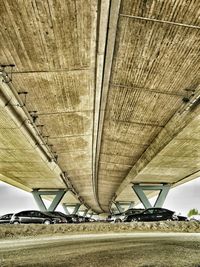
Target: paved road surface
(95,250)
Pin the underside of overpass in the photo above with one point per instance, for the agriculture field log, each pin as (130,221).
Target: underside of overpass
(103,95)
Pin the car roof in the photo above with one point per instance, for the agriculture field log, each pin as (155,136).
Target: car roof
(27,211)
(153,208)
(6,214)
(135,209)
(156,208)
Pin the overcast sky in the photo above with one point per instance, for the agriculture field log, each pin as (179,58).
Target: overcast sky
(13,199)
(184,197)
(180,199)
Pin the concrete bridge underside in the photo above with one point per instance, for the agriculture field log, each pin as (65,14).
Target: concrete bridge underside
(103,94)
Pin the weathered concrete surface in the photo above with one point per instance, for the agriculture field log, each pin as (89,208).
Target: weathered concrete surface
(53,45)
(153,249)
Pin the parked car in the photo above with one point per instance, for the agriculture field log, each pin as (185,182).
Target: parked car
(85,219)
(119,217)
(66,218)
(152,214)
(34,216)
(75,218)
(81,219)
(90,219)
(195,218)
(6,218)
(182,218)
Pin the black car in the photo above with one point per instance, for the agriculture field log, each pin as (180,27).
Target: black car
(34,216)
(182,218)
(6,218)
(68,218)
(152,214)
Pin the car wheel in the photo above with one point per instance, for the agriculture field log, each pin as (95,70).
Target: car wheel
(134,220)
(47,222)
(118,220)
(16,222)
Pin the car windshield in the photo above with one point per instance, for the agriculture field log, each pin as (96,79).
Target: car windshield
(51,214)
(149,211)
(133,211)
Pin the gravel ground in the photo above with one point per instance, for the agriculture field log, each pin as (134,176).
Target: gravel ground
(99,250)
(20,231)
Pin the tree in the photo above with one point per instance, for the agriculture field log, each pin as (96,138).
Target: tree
(192,212)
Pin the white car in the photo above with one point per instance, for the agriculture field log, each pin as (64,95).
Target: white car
(119,217)
(195,218)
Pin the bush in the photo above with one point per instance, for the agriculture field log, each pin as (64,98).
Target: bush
(193,212)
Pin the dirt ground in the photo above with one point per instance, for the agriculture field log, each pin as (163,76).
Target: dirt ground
(20,231)
(102,250)
(101,244)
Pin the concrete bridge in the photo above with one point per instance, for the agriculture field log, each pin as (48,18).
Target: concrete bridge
(99,100)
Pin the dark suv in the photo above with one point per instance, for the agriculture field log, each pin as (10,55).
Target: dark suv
(152,214)
(35,216)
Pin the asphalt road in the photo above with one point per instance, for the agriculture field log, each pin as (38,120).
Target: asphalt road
(93,250)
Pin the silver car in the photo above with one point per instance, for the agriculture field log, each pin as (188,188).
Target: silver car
(119,217)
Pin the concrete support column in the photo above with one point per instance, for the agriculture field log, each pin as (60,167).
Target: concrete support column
(85,212)
(74,206)
(90,213)
(139,191)
(131,205)
(118,206)
(38,193)
(65,209)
